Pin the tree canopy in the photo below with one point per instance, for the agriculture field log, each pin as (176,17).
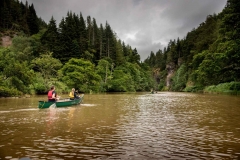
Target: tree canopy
(74,53)
(208,55)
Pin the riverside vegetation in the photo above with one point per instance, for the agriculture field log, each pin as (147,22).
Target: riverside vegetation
(78,53)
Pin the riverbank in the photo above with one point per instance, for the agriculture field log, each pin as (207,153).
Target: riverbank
(232,88)
(23,96)
(224,88)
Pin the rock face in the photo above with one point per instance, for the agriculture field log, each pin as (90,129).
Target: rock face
(170,69)
(6,41)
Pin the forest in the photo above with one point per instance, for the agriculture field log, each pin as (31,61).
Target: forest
(78,53)
(206,60)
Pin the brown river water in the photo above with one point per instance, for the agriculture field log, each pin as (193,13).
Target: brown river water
(165,125)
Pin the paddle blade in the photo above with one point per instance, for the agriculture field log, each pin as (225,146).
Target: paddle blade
(53,105)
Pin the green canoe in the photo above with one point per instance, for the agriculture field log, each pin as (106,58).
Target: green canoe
(60,103)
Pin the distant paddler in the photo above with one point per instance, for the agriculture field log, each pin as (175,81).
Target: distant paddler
(74,94)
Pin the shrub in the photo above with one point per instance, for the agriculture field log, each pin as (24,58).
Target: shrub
(180,79)
(161,85)
(9,92)
(227,88)
(235,86)
(193,89)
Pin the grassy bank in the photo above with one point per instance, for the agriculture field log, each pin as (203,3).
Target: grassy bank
(224,88)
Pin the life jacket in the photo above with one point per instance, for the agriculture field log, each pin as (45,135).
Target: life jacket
(71,95)
(50,94)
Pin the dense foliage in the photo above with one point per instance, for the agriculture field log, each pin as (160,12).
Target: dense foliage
(16,16)
(79,53)
(208,55)
(76,53)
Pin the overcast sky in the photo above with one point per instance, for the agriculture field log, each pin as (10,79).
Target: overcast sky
(147,25)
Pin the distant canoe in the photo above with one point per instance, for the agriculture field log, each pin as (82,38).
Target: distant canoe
(60,103)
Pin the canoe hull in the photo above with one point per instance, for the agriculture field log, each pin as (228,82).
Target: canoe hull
(60,103)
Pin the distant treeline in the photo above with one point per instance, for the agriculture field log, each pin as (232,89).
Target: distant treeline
(208,55)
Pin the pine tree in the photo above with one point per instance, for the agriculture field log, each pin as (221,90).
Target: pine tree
(23,18)
(135,57)
(152,59)
(119,53)
(102,42)
(32,20)
(96,40)
(50,38)
(6,15)
(89,30)
(82,36)
(65,41)
(159,61)
(15,15)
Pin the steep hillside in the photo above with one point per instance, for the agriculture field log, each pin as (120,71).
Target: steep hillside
(209,54)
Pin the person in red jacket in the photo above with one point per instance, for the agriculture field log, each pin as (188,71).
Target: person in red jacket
(52,95)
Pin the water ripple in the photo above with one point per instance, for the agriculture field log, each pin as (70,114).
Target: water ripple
(126,126)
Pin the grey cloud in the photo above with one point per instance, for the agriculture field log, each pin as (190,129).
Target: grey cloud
(147,25)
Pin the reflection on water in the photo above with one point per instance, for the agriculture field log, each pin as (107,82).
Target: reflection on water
(123,126)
